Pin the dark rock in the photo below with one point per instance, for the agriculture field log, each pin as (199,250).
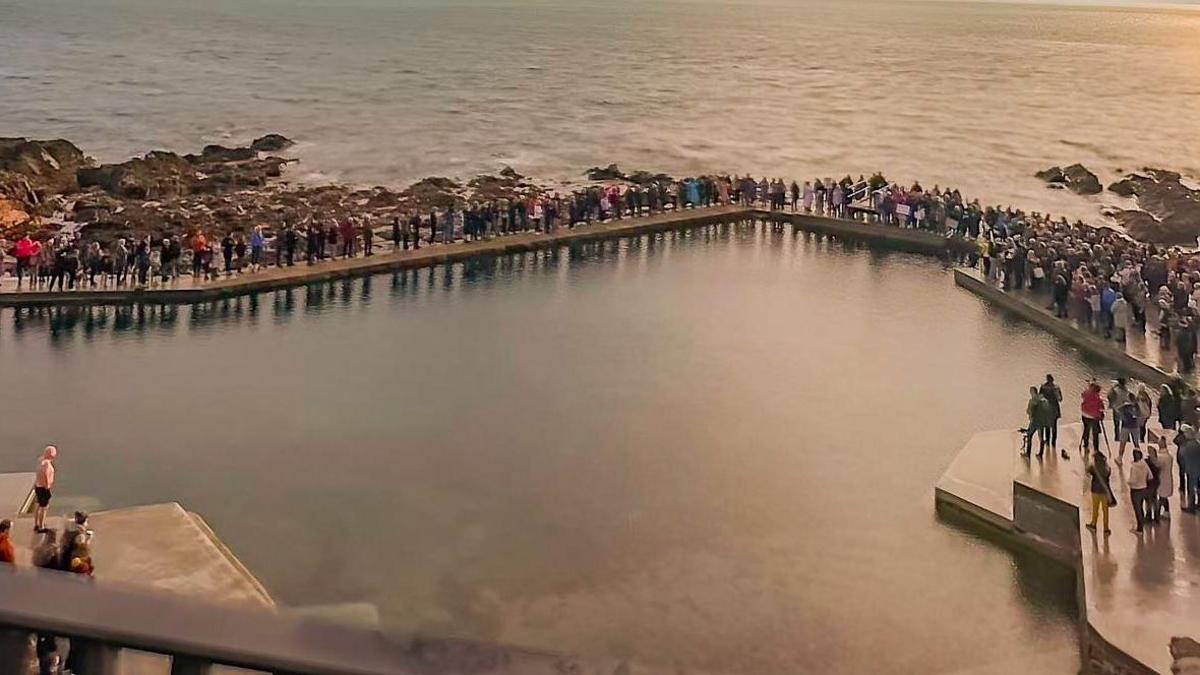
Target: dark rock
(1124,187)
(437,182)
(220,153)
(433,191)
(157,175)
(644,178)
(610,172)
(1163,175)
(1081,181)
(1075,178)
(509,172)
(1183,647)
(1052,175)
(1168,211)
(382,198)
(47,167)
(271,143)
(1186,655)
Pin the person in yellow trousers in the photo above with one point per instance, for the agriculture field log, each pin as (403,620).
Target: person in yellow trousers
(1102,494)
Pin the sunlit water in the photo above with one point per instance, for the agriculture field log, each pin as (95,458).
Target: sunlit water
(714,449)
(977,95)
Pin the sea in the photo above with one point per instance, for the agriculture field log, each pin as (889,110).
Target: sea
(974,95)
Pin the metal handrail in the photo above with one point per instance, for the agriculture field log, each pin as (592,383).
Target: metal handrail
(198,632)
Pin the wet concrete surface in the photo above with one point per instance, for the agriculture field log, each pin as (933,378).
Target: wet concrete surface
(1139,590)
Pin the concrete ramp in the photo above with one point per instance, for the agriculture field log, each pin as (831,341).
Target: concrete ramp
(160,546)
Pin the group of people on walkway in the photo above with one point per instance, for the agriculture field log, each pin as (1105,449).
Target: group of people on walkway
(71,261)
(1130,409)
(1103,281)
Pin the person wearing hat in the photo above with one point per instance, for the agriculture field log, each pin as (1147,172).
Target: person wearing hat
(43,482)
(72,534)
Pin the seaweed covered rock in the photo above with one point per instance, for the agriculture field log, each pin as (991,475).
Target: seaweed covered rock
(610,172)
(271,143)
(1076,178)
(1168,210)
(156,175)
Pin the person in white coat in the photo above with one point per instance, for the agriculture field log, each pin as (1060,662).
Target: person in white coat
(1121,314)
(1161,458)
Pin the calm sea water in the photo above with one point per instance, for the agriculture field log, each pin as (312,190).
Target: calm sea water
(977,95)
(714,450)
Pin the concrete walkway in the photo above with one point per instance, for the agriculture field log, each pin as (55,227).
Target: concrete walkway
(1136,592)
(187,290)
(1139,355)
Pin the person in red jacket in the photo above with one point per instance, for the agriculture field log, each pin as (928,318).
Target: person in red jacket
(7,554)
(24,252)
(1092,408)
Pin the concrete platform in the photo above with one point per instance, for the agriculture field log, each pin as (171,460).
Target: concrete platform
(907,239)
(161,547)
(1135,592)
(188,290)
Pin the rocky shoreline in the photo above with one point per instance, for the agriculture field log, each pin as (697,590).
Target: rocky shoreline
(1165,209)
(48,185)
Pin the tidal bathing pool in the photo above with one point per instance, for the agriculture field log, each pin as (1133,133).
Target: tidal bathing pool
(710,449)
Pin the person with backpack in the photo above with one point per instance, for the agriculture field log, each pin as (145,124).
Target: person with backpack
(1053,395)
(1127,428)
(1038,413)
(1101,491)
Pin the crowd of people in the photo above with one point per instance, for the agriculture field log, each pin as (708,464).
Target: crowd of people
(70,261)
(1130,408)
(1104,281)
